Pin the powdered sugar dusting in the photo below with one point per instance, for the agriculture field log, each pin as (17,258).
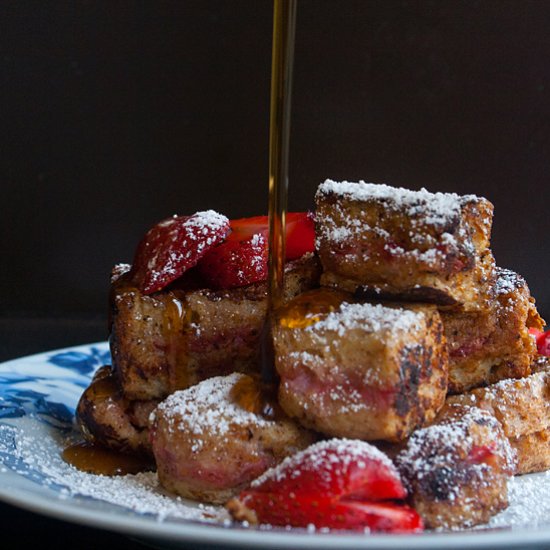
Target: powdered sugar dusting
(140,493)
(370,318)
(507,281)
(206,410)
(435,208)
(119,270)
(529,502)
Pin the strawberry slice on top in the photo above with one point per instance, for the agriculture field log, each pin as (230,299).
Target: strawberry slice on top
(227,254)
(337,484)
(300,232)
(175,245)
(242,259)
(235,263)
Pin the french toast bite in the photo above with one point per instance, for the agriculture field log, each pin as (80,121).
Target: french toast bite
(105,416)
(386,242)
(457,470)
(523,409)
(208,447)
(494,343)
(175,338)
(359,370)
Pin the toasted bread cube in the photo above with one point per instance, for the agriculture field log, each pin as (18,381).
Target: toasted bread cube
(456,471)
(175,338)
(523,409)
(106,417)
(359,370)
(414,245)
(208,447)
(492,344)
(533,451)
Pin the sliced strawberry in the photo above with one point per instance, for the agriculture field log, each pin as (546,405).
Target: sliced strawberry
(339,468)
(242,259)
(298,510)
(235,263)
(173,246)
(535,332)
(245,228)
(543,343)
(300,232)
(337,484)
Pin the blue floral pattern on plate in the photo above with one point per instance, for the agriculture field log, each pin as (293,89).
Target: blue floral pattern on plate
(50,394)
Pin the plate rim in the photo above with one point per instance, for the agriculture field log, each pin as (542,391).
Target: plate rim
(181,531)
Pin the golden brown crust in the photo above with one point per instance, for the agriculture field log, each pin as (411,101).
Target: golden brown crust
(521,406)
(523,409)
(533,451)
(172,339)
(457,469)
(106,417)
(374,379)
(208,447)
(411,245)
(492,344)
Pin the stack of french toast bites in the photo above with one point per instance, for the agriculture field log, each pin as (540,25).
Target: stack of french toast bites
(398,330)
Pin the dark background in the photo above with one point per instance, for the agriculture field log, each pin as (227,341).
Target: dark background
(116,115)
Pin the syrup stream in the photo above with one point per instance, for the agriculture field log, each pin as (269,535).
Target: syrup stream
(96,459)
(284,28)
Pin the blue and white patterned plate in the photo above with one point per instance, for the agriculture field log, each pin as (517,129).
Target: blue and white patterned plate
(38,396)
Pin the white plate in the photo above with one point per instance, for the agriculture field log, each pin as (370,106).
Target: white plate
(38,395)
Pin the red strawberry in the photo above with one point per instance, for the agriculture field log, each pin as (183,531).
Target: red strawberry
(339,468)
(337,484)
(300,232)
(173,246)
(298,510)
(245,228)
(235,263)
(242,259)
(543,343)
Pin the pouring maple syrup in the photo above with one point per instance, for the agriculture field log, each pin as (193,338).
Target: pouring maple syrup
(284,28)
(258,397)
(261,397)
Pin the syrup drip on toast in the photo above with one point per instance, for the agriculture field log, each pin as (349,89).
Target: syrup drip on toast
(284,24)
(310,307)
(95,458)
